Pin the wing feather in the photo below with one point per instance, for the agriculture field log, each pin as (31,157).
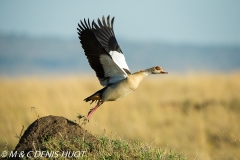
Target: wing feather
(102,50)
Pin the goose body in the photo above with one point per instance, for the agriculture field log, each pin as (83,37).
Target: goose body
(107,60)
(122,88)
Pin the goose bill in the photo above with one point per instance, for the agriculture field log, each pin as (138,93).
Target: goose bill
(163,72)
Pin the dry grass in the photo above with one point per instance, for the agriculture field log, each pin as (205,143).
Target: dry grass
(196,115)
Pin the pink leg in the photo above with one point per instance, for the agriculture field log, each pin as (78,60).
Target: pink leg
(93,110)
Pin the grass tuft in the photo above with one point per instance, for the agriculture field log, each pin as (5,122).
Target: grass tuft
(110,149)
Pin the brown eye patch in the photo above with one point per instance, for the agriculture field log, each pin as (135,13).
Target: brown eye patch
(158,68)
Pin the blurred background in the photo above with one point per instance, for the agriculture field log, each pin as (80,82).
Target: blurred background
(181,36)
(42,65)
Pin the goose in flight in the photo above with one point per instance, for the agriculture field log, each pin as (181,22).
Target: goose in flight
(107,60)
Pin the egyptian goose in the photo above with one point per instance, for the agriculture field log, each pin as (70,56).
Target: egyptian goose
(107,60)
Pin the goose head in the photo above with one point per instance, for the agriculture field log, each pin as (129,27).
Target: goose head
(157,70)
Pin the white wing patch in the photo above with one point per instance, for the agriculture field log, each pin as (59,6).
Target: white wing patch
(119,59)
(112,68)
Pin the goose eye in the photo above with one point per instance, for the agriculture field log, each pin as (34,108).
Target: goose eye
(158,68)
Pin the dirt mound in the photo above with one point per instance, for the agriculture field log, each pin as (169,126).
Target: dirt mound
(55,129)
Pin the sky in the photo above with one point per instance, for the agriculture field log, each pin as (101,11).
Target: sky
(185,21)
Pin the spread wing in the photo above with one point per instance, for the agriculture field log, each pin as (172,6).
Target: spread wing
(102,50)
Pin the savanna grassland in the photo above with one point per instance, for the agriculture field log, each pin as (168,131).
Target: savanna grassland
(195,115)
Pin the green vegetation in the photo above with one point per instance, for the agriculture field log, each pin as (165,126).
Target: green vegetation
(111,149)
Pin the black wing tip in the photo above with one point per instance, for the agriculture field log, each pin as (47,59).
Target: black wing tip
(103,23)
(84,24)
